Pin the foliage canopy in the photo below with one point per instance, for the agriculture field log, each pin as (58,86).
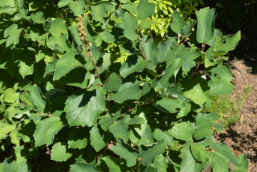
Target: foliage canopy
(82,78)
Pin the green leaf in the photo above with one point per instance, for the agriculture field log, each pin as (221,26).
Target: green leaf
(221,87)
(83,168)
(217,162)
(160,163)
(38,18)
(217,32)
(187,29)
(130,27)
(178,22)
(148,154)
(127,91)
(182,131)
(75,34)
(81,80)
(5,129)
(202,131)
(60,152)
(106,62)
(98,12)
(241,159)
(27,131)
(120,130)
(188,161)
(61,41)
(46,130)
(15,138)
(78,7)
(7,10)
(205,24)
(223,71)
(12,33)
(168,105)
(26,69)
(112,165)
(171,69)
(10,96)
(34,5)
(151,52)
(160,135)
(18,150)
(58,27)
(130,7)
(63,3)
(199,152)
(125,152)
(221,149)
(134,63)
(10,3)
(189,55)
(64,65)
(146,24)
(106,121)
(136,120)
(37,98)
(113,83)
(150,169)
(145,9)
(96,139)
(84,107)
(77,138)
(206,118)
(226,43)
(197,90)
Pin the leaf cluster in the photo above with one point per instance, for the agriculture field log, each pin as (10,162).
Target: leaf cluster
(82,79)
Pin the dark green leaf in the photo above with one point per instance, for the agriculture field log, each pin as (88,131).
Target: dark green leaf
(205,24)
(84,107)
(127,91)
(145,9)
(134,63)
(148,154)
(113,83)
(130,26)
(46,130)
(182,131)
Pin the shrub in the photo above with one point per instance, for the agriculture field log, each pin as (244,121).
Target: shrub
(83,79)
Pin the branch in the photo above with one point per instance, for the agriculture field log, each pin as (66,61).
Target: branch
(139,162)
(143,50)
(42,114)
(57,9)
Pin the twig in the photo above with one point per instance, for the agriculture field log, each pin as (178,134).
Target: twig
(203,46)
(139,162)
(143,50)
(48,150)
(42,114)
(57,9)
(3,120)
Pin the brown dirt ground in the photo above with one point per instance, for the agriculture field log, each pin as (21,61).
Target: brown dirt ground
(242,136)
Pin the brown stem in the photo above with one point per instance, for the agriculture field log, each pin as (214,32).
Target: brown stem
(42,114)
(57,9)
(138,165)
(203,46)
(143,50)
